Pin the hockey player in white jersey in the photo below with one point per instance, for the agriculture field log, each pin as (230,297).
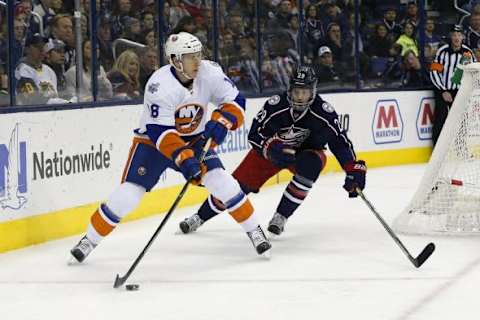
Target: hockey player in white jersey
(172,130)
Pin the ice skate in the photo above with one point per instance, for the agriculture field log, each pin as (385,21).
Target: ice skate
(191,224)
(277,224)
(259,240)
(82,249)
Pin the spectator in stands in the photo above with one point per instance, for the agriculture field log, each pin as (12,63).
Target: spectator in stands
(293,30)
(132,29)
(148,22)
(62,29)
(149,63)
(334,42)
(414,75)
(473,33)
(19,35)
(244,72)
(121,9)
(124,76)
(105,43)
(333,14)
(103,84)
(150,39)
(441,73)
(283,57)
(45,11)
(390,22)
(407,40)
(411,16)
(55,59)
(228,51)
(379,44)
(177,12)
(393,72)
(281,17)
(186,24)
(327,72)
(270,81)
(432,40)
(149,6)
(247,8)
(313,32)
(36,82)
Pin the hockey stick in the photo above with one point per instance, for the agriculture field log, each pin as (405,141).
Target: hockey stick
(422,257)
(119,281)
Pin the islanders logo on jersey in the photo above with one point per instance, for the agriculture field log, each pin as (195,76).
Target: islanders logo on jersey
(188,117)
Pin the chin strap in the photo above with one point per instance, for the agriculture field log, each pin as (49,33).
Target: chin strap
(180,69)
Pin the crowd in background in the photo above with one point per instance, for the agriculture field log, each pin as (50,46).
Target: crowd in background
(383,52)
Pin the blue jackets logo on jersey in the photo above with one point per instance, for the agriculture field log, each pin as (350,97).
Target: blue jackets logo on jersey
(425,118)
(293,136)
(387,126)
(188,117)
(13,172)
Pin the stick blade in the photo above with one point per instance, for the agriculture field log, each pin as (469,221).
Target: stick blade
(425,254)
(119,281)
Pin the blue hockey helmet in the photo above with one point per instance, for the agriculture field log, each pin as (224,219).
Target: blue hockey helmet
(303,77)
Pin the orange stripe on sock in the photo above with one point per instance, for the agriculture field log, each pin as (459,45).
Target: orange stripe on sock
(100,225)
(243,212)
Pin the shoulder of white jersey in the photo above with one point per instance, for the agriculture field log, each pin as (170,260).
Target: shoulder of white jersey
(23,70)
(211,69)
(160,81)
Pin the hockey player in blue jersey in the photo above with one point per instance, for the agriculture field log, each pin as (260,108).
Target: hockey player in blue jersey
(290,132)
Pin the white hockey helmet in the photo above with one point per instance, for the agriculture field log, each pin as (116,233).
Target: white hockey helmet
(180,44)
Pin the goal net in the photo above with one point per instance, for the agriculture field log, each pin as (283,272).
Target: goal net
(448,198)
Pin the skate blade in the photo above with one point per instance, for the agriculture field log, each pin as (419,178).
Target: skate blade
(179,233)
(272,236)
(72,261)
(267,255)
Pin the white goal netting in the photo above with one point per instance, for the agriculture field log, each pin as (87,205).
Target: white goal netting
(448,198)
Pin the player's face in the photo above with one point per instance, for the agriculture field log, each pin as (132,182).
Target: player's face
(301,95)
(191,63)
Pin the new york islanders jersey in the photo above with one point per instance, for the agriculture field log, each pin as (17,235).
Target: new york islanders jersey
(315,128)
(171,107)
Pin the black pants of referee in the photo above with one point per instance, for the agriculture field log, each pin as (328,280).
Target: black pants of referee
(441,112)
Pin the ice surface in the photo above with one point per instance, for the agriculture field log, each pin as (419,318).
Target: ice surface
(334,261)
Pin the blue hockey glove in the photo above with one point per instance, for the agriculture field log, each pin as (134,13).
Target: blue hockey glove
(218,126)
(356,172)
(189,165)
(279,153)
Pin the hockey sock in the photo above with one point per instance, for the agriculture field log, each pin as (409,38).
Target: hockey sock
(210,208)
(294,195)
(243,213)
(102,222)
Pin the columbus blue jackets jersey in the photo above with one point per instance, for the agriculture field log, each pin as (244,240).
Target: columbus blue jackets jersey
(315,128)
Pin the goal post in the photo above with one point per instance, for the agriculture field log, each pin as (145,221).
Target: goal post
(447,200)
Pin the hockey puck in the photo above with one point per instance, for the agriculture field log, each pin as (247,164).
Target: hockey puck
(132,287)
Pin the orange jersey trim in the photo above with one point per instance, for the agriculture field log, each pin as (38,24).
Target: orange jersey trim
(236,111)
(171,142)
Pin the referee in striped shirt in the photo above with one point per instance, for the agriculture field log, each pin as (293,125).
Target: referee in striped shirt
(441,72)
